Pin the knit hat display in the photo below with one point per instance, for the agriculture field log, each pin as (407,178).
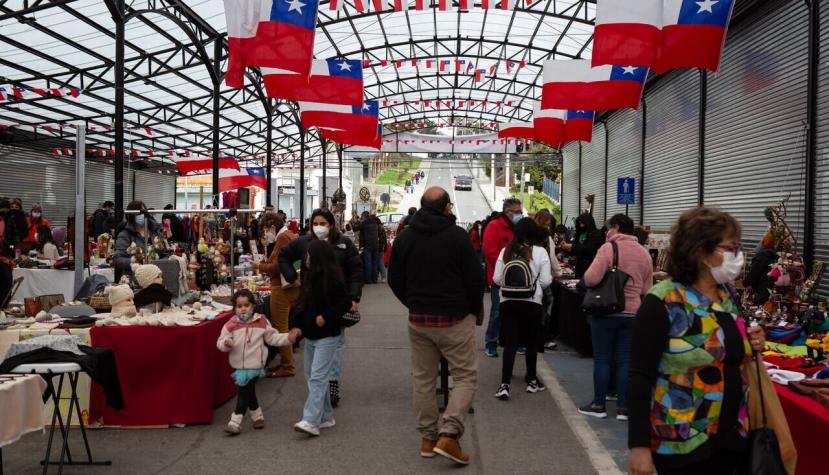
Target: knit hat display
(146,274)
(119,293)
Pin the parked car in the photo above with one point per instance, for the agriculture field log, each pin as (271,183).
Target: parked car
(463,182)
(390,220)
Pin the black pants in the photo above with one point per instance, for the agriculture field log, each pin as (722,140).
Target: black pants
(247,398)
(723,462)
(520,326)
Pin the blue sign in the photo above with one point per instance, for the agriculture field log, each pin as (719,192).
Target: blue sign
(626,191)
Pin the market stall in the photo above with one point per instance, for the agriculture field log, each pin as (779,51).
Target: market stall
(38,282)
(809,424)
(574,328)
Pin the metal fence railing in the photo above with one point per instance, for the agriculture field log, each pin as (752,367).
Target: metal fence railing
(552,190)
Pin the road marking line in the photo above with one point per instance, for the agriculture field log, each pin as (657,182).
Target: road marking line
(599,456)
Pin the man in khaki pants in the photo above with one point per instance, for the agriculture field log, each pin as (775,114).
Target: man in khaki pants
(281,298)
(435,273)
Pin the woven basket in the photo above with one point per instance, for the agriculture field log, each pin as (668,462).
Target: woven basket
(225,299)
(100,303)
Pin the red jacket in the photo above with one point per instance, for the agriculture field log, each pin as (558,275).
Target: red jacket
(476,240)
(496,237)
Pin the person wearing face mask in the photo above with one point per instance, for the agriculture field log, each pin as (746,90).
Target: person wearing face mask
(588,240)
(277,236)
(17,215)
(35,221)
(323,227)
(686,392)
(9,235)
(497,235)
(136,230)
(611,334)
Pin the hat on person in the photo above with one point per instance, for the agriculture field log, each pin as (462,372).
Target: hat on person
(146,274)
(119,293)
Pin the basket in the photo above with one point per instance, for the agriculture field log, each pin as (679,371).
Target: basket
(100,303)
(224,299)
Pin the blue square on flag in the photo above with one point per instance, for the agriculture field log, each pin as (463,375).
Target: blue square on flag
(629,73)
(579,115)
(368,108)
(350,68)
(256,171)
(295,12)
(706,12)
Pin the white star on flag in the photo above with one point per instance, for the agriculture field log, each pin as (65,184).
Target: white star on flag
(630,69)
(365,106)
(707,5)
(344,66)
(295,6)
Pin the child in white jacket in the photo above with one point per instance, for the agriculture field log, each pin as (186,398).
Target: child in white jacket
(244,336)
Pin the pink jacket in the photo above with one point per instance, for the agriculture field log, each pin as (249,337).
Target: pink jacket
(249,338)
(634,261)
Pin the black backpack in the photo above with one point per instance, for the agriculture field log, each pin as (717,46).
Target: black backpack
(518,282)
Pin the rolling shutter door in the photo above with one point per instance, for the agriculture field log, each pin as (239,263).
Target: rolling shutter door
(593,168)
(671,149)
(624,157)
(570,184)
(822,177)
(755,138)
(156,191)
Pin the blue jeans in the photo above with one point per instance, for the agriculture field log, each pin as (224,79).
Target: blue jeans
(338,358)
(611,355)
(369,266)
(493,328)
(320,356)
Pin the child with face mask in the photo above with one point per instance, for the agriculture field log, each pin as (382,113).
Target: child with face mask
(244,336)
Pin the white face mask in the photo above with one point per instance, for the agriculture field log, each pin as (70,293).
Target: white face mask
(321,232)
(730,269)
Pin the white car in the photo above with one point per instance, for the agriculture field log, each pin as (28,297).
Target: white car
(390,220)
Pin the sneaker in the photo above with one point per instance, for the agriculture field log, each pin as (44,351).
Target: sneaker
(234,427)
(307,428)
(621,414)
(551,345)
(328,424)
(334,390)
(427,448)
(593,410)
(258,418)
(491,352)
(521,350)
(612,397)
(451,449)
(503,392)
(535,386)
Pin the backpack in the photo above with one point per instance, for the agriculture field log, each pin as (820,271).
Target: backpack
(518,282)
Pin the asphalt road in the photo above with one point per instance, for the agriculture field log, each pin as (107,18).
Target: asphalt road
(470,206)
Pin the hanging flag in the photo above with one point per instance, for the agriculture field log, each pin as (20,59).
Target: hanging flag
(400,5)
(234,179)
(575,85)
(464,5)
(548,125)
(359,5)
(507,4)
(202,164)
(421,4)
(274,34)
(366,63)
(74,92)
(487,4)
(469,66)
(367,139)
(479,74)
(336,5)
(398,64)
(443,64)
(334,116)
(579,126)
(332,81)
(2,94)
(510,65)
(444,4)
(384,62)
(516,129)
(378,5)
(18,92)
(458,64)
(662,34)
(429,64)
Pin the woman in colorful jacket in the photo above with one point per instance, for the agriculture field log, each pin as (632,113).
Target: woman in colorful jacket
(687,387)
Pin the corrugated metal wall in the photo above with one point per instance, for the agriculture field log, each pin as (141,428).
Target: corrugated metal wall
(624,157)
(672,148)
(593,169)
(822,178)
(156,191)
(570,201)
(755,135)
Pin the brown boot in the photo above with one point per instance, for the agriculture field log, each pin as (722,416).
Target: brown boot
(281,373)
(427,448)
(451,449)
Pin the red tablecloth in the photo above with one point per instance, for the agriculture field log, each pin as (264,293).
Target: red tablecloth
(809,424)
(169,375)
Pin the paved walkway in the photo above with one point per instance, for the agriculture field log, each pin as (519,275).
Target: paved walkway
(413,199)
(375,425)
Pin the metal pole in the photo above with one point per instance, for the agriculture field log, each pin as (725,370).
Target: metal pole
(606,164)
(217,66)
(324,187)
(80,201)
(642,165)
(119,112)
(301,177)
(811,137)
(269,152)
(703,107)
(340,160)
(578,198)
(492,177)
(522,184)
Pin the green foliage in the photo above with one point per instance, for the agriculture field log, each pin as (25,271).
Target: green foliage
(398,175)
(538,201)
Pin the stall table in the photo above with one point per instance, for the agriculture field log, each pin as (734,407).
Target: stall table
(809,425)
(574,330)
(38,282)
(169,375)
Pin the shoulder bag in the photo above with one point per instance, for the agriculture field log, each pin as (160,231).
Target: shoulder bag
(608,297)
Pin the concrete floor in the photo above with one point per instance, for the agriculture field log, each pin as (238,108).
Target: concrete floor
(375,424)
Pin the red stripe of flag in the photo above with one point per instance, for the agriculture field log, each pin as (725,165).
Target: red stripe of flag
(464,4)
(444,4)
(74,91)
(420,4)
(358,4)
(18,93)
(56,92)
(398,5)
(378,5)
(366,63)
(40,91)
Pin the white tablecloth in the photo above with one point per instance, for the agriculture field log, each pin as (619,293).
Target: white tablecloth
(23,410)
(50,281)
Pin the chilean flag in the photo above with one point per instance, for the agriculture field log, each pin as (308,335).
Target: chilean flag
(204,164)
(365,138)
(663,34)
(521,130)
(334,116)
(579,126)
(548,125)
(575,85)
(269,33)
(233,179)
(332,81)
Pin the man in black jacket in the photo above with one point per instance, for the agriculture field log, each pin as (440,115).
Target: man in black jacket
(435,273)
(370,245)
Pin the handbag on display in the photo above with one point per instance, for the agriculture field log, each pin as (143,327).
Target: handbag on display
(350,319)
(608,297)
(771,450)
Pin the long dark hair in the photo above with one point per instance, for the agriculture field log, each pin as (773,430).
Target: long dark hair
(525,235)
(334,233)
(320,276)
(44,235)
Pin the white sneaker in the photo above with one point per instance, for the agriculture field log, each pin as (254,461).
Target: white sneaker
(535,386)
(503,392)
(328,424)
(307,428)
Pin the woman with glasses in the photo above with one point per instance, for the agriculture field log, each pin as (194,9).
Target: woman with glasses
(687,386)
